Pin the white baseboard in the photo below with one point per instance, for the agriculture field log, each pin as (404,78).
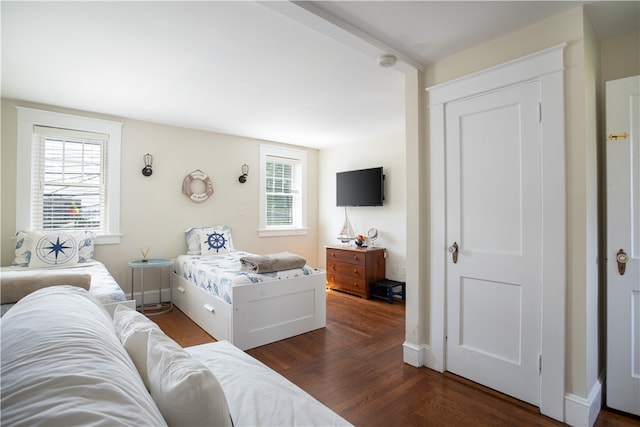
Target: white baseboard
(580,411)
(152,296)
(413,354)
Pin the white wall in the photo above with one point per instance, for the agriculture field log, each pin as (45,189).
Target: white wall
(390,219)
(154,212)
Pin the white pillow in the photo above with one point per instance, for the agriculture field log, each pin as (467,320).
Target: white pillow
(215,242)
(86,244)
(184,389)
(24,246)
(194,240)
(132,328)
(58,249)
(23,249)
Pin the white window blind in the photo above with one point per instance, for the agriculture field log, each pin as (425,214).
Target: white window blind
(69,179)
(282,191)
(283,187)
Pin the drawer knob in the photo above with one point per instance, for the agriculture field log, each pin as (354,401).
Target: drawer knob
(210,308)
(181,289)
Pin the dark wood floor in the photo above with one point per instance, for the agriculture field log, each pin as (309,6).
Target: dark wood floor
(354,366)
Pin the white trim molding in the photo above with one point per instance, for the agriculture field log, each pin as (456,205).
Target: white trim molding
(30,117)
(300,212)
(580,411)
(545,67)
(414,354)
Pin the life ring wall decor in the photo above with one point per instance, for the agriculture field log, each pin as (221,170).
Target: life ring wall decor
(197,175)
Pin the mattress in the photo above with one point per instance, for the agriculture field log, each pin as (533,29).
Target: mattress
(103,286)
(217,274)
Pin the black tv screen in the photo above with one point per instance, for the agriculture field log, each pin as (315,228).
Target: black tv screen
(363,187)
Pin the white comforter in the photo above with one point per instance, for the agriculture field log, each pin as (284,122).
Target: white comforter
(54,369)
(259,396)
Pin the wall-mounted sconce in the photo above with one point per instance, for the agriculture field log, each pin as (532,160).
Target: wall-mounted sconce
(245,172)
(148,160)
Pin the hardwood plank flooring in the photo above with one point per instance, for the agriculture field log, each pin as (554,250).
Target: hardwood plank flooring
(354,366)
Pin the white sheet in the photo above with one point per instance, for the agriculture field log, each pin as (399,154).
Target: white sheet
(53,342)
(257,395)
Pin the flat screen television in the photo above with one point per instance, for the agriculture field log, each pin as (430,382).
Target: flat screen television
(364,187)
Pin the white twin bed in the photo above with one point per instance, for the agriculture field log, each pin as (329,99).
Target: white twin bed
(231,303)
(32,269)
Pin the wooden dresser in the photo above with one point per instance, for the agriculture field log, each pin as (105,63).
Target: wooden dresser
(352,269)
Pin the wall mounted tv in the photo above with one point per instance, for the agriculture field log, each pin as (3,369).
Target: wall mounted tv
(364,187)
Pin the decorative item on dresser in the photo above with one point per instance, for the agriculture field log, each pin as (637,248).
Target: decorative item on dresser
(352,269)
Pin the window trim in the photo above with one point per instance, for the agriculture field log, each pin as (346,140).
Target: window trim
(301,156)
(30,117)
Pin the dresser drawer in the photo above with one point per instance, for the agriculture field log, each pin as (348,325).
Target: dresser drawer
(347,284)
(344,269)
(352,269)
(351,256)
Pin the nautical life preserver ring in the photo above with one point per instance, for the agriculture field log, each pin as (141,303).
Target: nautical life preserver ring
(197,175)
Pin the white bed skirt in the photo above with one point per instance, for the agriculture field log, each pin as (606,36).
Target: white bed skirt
(262,313)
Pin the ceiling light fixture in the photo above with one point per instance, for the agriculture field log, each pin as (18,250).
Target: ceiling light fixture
(387,60)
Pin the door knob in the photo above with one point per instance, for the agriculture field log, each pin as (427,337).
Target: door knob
(622,258)
(453,250)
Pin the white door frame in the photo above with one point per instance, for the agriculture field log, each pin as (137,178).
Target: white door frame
(547,68)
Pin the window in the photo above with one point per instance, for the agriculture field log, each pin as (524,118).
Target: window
(282,191)
(68,173)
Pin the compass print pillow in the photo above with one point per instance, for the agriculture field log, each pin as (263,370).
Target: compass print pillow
(53,250)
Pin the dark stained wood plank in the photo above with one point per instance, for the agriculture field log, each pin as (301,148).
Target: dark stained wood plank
(183,330)
(355,367)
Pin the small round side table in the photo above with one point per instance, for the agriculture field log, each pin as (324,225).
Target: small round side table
(155,263)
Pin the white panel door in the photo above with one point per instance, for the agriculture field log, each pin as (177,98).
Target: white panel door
(623,244)
(493,195)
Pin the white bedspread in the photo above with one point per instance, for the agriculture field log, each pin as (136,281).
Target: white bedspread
(103,286)
(217,274)
(63,365)
(271,400)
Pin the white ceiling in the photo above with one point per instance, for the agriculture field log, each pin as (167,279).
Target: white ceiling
(303,73)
